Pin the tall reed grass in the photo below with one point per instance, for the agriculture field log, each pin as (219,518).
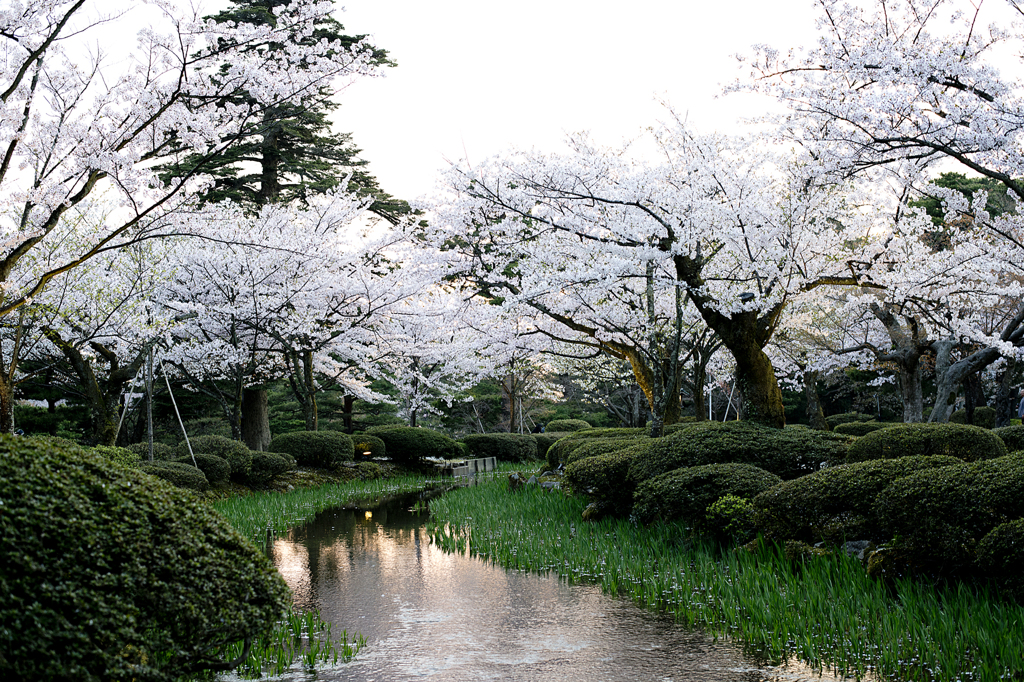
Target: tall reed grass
(259,514)
(826,612)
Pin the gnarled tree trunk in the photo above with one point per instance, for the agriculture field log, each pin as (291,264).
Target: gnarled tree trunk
(255,419)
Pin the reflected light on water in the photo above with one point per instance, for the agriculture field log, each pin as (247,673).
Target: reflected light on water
(436,616)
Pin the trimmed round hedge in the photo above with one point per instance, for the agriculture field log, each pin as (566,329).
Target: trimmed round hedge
(323,449)
(267,465)
(1012,437)
(409,444)
(859,428)
(364,442)
(965,442)
(178,474)
(941,514)
(559,452)
(687,493)
(507,447)
(835,420)
(603,478)
(216,469)
(567,425)
(160,450)
(108,573)
(546,440)
(837,503)
(235,452)
(599,446)
(787,453)
(1001,555)
(984,416)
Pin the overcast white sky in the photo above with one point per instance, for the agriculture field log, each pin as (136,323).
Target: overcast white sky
(476,77)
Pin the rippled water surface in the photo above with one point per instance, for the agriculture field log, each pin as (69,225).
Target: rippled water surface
(427,615)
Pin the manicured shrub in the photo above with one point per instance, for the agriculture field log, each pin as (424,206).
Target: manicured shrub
(984,416)
(364,442)
(267,465)
(787,453)
(835,420)
(599,446)
(546,440)
(407,444)
(178,474)
(687,493)
(216,469)
(237,455)
(941,514)
(836,503)
(507,447)
(730,519)
(160,451)
(1000,557)
(322,449)
(560,450)
(968,443)
(567,425)
(603,479)
(122,456)
(683,422)
(1012,437)
(859,428)
(110,574)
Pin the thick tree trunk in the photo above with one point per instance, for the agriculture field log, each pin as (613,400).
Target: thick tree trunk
(815,414)
(949,375)
(6,405)
(255,419)
(1006,403)
(348,403)
(758,386)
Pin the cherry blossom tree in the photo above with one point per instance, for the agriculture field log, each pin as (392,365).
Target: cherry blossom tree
(73,122)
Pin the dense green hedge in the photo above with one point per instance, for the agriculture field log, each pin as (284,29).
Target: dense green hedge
(1001,555)
(984,416)
(604,479)
(364,442)
(859,428)
(1012,437)
(559,452)
(683,422)
(599,446)
(178,474)
(216,469)
(787,453)
(835,420)
(941,514)
(267,465)
(111,574)
(407,444)
(323,449)
(160,450)
(237,455)
(687,493)
(546,440)
(836,503)
(969,443)
(507,447)
(567,425)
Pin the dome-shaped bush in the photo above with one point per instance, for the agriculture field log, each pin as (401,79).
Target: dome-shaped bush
(364,442)
(506,447)
(567,425)
(687,493)
(216,469)
(1012,437)
(178,474)
(984,416)
(322,449)
(968,443)
(835,502)
(599,446)
(160,451)
(1001,555)
(859,428)
(787,453)
(236,454)
(603,478)
(835,420)
(408,444)
(559,451)
(108,573)
(267,465)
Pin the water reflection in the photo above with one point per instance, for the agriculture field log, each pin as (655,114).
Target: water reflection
(437,616)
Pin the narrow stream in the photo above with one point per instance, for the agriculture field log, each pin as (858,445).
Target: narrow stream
(428,615)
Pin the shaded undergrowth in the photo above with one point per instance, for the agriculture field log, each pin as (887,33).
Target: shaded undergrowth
(826,611)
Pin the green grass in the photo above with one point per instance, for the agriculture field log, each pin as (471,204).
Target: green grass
(253,514)
(826,612)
